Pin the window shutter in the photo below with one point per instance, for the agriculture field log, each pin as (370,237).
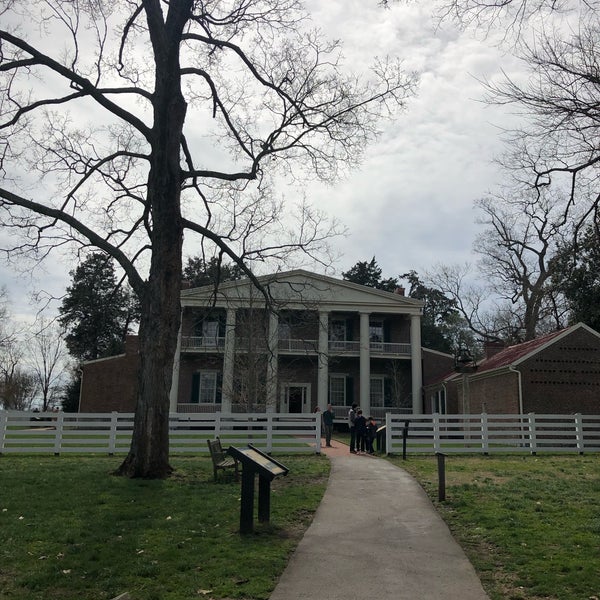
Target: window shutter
(386,332)
(222,326)
(387,392)
(195,388)
(219,391)
(349,391)
(349,330)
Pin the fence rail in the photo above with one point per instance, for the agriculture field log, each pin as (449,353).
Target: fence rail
(487,433)
(61,433)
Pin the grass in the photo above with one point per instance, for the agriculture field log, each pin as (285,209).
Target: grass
(71,530)
(530,525)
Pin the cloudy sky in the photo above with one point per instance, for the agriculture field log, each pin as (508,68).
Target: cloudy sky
(410,204)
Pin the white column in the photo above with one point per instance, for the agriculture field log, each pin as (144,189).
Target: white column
(174,392)
(323,372)
(272,362)
(365,365)
(228,362)
(415,362)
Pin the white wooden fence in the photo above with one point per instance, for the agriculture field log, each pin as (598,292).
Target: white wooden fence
(487,433)
(110,433)
(58,433)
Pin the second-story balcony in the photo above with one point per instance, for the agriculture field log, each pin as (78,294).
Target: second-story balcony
(293,346)
(202,344)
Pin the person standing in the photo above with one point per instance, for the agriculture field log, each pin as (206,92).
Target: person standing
(328,417)
(360,427)
(351,419)
(371,434)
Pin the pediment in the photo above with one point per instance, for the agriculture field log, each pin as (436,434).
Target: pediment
(301,289)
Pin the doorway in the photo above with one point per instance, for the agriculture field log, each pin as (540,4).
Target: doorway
(297,398)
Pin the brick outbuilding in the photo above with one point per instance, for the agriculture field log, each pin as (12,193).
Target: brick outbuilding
(558,373)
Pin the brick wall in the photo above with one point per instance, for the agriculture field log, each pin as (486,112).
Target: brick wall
(564,378)
(496,395)
(111,384)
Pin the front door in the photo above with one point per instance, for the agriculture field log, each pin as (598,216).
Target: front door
(297,398)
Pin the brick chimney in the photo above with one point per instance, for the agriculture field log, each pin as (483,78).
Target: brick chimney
(492,347)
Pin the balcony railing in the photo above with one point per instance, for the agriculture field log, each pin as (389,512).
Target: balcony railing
(375,348)
(293,346)
(202,344)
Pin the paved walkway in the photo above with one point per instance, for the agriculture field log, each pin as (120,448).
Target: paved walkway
(376,535)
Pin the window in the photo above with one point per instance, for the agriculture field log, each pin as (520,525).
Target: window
(285,330)
(337,333)
(205,387)
(376,334)
(377,391)
(337,390)
(210,333)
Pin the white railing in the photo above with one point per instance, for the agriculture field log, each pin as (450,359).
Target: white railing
(101,433)
(202,344)
(488,433)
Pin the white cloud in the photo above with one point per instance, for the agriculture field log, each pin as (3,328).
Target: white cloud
(410,203)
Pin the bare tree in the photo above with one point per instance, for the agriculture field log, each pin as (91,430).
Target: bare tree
(521,236)
(47,354)
(518,299)
(153,118)
(18,387)
(559,42)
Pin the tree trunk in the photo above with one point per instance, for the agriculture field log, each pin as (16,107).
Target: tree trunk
(160,303)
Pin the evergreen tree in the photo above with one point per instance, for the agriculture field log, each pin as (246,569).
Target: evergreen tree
(95,312)
(369,274)
(442,327)
(69,398)
(199,272)
(577,276)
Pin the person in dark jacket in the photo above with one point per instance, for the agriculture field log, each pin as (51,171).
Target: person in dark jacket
(328,416)
(371,434)
(360,426)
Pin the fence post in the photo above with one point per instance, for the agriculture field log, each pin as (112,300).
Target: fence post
(532,434)
(317,417)
(579,432)
(388,433)
(485,434)
(436,432)
(59,432)
(269,433)
(112,434)
(3,428)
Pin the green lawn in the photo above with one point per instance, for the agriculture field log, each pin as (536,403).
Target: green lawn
(529,524)
(71,530)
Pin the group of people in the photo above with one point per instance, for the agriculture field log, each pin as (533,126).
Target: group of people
(363,430)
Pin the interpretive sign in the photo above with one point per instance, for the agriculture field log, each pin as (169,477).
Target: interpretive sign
(255,462)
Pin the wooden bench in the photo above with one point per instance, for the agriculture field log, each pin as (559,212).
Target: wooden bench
(221,460)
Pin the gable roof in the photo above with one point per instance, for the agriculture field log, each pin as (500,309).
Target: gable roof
(303,288)
(515,355)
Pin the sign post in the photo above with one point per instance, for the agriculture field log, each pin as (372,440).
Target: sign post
(255,462)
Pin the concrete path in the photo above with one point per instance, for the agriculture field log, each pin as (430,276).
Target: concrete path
(376,535)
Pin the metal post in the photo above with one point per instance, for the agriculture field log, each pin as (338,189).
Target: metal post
(264,499)
(247,501)
(441,463)
(404,437)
